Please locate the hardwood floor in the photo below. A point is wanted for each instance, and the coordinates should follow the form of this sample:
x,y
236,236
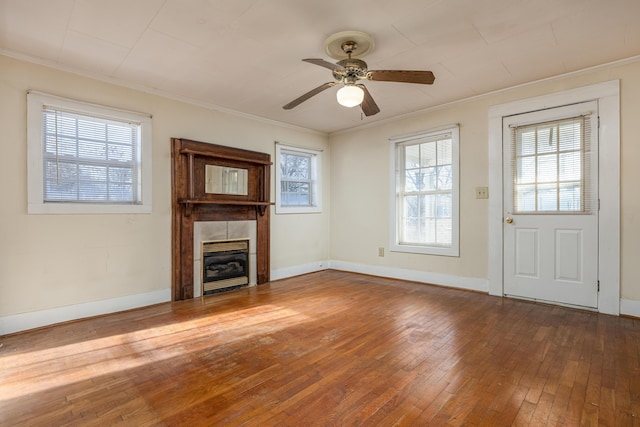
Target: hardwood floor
x,y
328,349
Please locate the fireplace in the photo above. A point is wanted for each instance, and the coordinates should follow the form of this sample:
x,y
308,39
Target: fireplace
x,y
225,265
198,198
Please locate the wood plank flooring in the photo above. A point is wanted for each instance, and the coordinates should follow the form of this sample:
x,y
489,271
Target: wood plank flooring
x,y
328,349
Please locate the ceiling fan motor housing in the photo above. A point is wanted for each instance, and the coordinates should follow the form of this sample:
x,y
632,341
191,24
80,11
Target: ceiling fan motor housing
x,y
354,69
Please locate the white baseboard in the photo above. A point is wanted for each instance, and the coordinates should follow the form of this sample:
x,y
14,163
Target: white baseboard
x,y
630,307
25,321
470,283
297,270
36,319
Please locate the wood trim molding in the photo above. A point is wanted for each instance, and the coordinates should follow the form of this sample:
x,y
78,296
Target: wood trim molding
x,y
190,203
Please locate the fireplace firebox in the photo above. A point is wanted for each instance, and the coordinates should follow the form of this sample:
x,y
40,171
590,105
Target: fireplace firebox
x,y
225,265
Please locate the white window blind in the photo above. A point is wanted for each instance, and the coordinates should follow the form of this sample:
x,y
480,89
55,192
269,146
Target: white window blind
x,y
551,167
89,158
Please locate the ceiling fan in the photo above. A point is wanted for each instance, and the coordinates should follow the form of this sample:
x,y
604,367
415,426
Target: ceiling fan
x,y
350,70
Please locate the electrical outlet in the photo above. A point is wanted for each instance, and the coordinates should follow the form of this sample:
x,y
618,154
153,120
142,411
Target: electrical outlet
x,y
482,192
380,251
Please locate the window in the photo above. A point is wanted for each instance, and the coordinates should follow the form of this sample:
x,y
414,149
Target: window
x,y
85,158
549,162
298,180
425,192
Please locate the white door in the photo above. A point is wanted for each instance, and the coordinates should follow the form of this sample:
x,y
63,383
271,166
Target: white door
x,y
551,205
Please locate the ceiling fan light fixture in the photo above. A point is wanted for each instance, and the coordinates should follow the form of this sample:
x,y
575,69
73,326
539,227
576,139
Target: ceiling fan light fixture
x,y
350,96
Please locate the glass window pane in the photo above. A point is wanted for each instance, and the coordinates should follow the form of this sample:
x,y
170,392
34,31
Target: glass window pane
x,y
570,166
526,172
526,144
121,134
428,154
430,179
411,207
295,167
444,231
120,175
92,190
120,192
430,206
120,153
525,200
547,197
295,193
65,126
411,230
65,147
60,181
548,168
445,177
570,197
414,180
92,173
444,204
412,156
445,154
430,230
91,130
571,135
547,139
92,150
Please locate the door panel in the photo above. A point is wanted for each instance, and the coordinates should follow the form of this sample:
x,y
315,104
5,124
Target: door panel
x,y
550,205
527,251
569,255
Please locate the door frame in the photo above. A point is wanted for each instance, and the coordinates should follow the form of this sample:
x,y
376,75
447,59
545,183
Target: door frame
x,y
608,96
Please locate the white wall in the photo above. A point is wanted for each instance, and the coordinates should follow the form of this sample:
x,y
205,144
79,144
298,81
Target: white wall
x,y
94,263
360,191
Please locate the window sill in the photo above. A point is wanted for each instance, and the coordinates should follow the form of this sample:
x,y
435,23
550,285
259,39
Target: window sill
x,y
72,208
425,250
280,210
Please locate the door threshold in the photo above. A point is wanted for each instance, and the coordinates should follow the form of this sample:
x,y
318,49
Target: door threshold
x,y
561,304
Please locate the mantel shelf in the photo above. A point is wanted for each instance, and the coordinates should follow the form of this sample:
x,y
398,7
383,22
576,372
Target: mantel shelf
x,y
261,207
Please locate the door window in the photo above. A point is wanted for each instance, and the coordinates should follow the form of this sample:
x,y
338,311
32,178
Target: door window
x,y
550,164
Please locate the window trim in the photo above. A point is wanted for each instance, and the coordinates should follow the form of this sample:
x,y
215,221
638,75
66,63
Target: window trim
x,y
316,187
35,185
394,244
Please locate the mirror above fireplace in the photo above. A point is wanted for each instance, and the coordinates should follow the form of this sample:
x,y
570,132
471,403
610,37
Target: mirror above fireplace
x,y
226,180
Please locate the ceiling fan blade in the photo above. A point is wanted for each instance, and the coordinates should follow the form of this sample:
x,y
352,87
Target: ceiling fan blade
x,y
308,95
325,64
369,106
422,77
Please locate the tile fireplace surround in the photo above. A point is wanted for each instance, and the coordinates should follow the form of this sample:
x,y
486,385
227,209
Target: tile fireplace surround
x,y
222,230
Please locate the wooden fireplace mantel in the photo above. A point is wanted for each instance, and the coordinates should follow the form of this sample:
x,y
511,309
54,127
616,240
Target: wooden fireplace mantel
x,y
190,203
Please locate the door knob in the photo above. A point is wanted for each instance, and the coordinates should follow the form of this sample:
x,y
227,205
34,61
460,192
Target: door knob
x,y
508,220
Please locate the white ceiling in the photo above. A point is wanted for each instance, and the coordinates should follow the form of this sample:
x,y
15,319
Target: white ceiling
x,y
245,55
